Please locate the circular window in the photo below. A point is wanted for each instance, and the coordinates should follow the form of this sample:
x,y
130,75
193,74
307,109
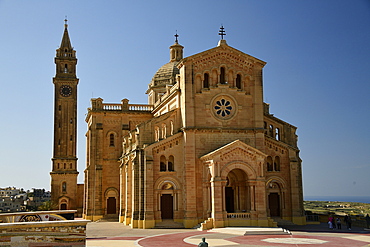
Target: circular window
x,y
223,107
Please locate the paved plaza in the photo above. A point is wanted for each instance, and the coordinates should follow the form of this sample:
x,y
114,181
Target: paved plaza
x,y
101,234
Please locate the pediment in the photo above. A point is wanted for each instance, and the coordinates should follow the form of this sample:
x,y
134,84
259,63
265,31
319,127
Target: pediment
x,y
222,54
234,150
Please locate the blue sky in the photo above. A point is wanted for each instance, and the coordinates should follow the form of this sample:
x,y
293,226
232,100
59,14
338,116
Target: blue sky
x,y
317,75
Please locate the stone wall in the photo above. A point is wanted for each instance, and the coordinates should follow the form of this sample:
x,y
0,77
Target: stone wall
x,y
44,233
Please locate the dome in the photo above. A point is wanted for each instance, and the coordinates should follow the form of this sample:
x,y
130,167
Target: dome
x,y
165,75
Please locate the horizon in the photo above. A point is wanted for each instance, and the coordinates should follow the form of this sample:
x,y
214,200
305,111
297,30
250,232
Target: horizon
x,y
316,76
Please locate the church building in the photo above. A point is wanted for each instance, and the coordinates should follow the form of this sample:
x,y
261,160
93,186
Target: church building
x,y
204,150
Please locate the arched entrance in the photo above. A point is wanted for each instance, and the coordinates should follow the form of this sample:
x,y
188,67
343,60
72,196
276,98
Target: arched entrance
x,y
236,192
275,198
63,204
111,200
167,201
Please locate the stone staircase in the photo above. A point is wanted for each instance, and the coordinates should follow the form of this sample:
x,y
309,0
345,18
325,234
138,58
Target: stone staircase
x,y
281,222
109,218
168,224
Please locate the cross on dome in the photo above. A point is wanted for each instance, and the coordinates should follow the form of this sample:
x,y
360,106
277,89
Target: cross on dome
x,y
176,36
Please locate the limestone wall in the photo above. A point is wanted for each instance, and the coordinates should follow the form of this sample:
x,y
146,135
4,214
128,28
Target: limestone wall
x,y
44,233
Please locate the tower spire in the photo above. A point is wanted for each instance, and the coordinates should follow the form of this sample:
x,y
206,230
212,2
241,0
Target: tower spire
x,y
176,50
66,42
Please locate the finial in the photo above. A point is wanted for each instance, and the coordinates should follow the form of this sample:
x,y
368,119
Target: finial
x,y
65,22
222,32
176,36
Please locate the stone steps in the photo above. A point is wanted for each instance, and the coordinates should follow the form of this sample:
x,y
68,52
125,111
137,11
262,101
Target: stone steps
x,y
168,224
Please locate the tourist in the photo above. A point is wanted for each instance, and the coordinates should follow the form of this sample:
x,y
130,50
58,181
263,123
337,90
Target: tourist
x,y
348,221
332,220
330,223
203,243
339,223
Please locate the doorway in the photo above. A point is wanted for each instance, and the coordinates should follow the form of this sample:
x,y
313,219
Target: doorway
x,y
111,205
274,204
229,196
167,206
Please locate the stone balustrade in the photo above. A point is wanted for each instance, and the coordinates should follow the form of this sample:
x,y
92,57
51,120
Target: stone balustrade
x,y
238,215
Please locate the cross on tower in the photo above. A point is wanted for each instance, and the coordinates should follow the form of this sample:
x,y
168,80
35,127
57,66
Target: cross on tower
x,y
176,36
222,32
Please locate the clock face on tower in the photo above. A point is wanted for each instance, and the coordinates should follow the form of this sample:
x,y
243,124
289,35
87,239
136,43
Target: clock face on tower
x,y
65,91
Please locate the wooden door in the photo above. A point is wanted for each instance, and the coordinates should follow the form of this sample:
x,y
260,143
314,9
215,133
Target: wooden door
x,y
274,204
111,205
167,206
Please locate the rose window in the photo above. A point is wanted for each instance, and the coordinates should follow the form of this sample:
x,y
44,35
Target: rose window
x,y
223,107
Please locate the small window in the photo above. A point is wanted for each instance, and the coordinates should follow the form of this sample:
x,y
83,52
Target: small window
x,y
64,187
271,130
65,68
277,134
111,140
222,76
238,82
270,167
163,165
206,81
171,166
277,163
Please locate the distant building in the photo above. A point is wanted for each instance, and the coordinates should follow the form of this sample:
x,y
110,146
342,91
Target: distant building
x,y
37,197
12,199
204,149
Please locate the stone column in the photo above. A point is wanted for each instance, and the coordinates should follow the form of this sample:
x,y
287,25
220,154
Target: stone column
x,y
218,204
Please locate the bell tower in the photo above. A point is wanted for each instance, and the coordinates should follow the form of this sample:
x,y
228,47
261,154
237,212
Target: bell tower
x,y
64,162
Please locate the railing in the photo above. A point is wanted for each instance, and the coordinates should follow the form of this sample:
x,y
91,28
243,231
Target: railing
x,y
135,107
112,107
312,218
238,215
140,107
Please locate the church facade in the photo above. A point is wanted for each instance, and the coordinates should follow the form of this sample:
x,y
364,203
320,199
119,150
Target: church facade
x,y
205,149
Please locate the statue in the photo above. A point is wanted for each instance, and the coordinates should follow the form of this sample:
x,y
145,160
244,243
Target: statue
x,y
203,243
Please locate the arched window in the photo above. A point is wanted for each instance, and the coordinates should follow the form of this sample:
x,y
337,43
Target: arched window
x,y
163,166
277,163
111,140
206,81
271,130
277,134
238,82
64,187
270,167
171,164
222,76
65,68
